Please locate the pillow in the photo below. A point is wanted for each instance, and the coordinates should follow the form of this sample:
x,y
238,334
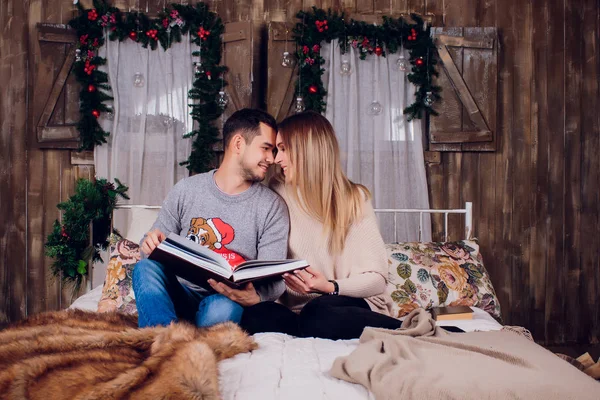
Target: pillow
x,y
431,274
117,293
141,220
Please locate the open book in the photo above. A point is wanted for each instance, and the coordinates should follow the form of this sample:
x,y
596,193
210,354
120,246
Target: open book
x,y
197,264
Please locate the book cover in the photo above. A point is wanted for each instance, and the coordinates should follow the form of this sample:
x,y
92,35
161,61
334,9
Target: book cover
x,y
197,264
450,313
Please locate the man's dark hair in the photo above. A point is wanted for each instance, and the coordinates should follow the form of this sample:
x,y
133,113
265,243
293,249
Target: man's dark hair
x,y
246,122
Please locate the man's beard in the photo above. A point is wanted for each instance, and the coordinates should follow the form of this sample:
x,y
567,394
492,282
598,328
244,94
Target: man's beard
x,y
249,175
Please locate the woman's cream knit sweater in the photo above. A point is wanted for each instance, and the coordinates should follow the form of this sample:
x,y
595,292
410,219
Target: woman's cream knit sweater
x,y
361,268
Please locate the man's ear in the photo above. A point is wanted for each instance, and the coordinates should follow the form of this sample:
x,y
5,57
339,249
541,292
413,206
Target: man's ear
x,y
237,144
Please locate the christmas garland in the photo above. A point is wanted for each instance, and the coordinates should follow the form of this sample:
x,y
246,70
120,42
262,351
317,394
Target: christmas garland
x,y
205,28
69,241
318,26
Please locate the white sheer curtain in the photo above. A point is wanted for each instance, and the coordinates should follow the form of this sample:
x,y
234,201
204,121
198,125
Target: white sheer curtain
x,y
146,141
151,115
384,152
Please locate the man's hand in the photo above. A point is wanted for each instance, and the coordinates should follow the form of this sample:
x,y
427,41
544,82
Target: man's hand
x,y
153,239
245,297
308,280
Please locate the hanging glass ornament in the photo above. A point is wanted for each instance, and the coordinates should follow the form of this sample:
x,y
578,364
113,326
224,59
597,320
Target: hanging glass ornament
x,y
401,63
138,80
78,55
345,68
429,99
375,108
198,68
222,100
286,60
299,107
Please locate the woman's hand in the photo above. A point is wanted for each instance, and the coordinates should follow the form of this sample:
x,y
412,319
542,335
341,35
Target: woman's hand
x,y
308,280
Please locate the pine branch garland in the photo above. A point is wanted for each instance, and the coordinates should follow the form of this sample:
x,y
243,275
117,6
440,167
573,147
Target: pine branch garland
x,y
69,243
318,26
94,26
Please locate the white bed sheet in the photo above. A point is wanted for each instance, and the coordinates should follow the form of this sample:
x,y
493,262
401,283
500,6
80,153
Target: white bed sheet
x,y
286,367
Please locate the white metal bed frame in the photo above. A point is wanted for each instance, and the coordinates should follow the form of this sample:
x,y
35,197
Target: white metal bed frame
x,y
467,211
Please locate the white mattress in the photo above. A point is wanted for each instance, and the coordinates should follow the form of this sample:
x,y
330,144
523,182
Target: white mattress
x,y
285,367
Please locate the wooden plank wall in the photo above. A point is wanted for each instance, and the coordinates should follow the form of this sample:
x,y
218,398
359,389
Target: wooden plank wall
x,y
536,199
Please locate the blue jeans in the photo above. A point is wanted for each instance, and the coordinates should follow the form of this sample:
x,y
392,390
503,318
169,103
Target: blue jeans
x,y
161,299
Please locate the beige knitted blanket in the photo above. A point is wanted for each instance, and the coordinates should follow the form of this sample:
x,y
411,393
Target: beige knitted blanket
x,y
421,361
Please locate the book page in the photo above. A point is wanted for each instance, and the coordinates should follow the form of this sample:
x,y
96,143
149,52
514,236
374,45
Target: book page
x,y
199,251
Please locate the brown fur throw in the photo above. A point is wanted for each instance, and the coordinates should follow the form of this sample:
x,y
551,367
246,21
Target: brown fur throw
x,y
75,355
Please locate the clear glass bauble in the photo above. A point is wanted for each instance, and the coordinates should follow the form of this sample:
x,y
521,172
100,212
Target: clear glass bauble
x,y
375,108
199,68
345,68
299,106
429,99
402,63
222,99
138,80
286,60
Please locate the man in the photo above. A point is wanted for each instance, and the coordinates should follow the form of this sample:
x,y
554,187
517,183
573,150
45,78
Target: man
x,y
228,211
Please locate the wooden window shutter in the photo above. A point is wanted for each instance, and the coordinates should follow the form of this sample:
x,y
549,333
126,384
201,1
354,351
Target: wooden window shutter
x,y
238,56
55,93
469,81
281,81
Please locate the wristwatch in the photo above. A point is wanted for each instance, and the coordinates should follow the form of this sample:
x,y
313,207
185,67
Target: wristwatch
x,y
336,289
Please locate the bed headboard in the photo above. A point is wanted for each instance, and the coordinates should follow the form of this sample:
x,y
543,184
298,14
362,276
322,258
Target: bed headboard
x,y
467,212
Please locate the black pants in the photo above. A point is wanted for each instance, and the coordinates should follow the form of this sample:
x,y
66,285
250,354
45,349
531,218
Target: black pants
x,y
328,317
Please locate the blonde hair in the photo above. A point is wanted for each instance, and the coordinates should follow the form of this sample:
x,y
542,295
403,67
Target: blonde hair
x,y
318,183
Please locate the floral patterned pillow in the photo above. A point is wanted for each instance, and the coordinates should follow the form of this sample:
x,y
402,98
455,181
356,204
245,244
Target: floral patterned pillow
x,y
117,293
439,274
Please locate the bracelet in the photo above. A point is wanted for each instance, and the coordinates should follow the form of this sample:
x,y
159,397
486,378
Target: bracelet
x,y
336,289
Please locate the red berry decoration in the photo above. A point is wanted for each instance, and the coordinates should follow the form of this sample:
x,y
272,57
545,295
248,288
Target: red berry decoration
x,y
96,113
133,35
91,88
93,15
313,89
378,50
203,33
419,62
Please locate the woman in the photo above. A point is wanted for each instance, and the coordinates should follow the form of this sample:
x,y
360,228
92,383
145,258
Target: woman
x,y
333,227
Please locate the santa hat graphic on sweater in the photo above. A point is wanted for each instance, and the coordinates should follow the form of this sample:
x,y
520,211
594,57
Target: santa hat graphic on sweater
x,y
223,231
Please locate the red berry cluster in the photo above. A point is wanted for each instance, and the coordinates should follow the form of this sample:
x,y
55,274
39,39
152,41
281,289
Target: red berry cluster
x,y
152,34
419,62
89,68
63,232
93,15
413,35
378,50
96,113
313,89
316,48
321,25
165,23
133,35
83,39
203,33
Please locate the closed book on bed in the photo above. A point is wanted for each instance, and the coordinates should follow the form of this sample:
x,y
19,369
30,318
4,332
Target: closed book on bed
x,y
450,313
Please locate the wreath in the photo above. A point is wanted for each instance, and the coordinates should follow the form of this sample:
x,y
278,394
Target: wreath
x,y
71,243
94,26
318,26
